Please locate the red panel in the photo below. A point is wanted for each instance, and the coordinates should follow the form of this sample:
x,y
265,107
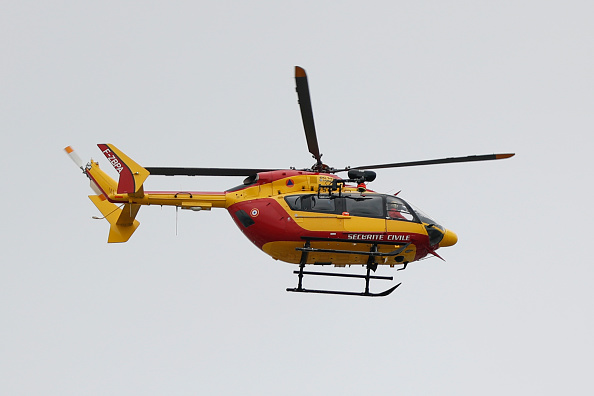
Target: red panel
x,y
126,184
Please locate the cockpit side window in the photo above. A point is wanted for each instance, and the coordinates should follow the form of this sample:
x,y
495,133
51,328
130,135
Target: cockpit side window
x,y
396,209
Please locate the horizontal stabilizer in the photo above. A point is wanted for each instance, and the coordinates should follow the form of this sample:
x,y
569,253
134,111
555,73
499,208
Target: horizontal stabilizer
x,y
122,220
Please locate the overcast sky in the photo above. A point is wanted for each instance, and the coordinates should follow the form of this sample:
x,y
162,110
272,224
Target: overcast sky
x,y
195,83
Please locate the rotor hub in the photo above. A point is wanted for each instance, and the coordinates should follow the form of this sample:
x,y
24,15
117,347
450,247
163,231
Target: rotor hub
x,y
321,168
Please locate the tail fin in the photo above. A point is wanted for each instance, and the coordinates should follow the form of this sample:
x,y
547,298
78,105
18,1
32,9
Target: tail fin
x,y
122,222
132,175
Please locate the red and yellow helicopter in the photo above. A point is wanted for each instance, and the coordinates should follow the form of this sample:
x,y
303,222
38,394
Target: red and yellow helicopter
x,y
300,216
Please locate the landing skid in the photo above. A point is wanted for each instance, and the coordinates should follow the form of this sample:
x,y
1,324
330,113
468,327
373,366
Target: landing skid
x,y
344,293
371,266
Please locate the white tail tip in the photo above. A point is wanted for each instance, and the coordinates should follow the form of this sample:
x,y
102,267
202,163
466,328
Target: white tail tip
x,y
70,151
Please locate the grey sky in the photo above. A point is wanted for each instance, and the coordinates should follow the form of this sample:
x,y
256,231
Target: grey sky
x,y
187,83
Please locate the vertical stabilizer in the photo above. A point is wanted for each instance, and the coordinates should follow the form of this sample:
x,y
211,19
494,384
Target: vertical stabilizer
x,y
122,220
131,174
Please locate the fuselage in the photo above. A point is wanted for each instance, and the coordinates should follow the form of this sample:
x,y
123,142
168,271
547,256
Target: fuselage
x,y
278,211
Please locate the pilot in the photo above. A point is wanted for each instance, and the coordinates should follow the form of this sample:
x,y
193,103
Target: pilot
x,y
394,209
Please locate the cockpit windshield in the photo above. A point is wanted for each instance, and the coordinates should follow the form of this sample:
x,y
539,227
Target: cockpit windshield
x,y
425,218
398,209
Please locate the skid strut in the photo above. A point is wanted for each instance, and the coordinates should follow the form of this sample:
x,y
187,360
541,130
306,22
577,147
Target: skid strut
x,y
371,266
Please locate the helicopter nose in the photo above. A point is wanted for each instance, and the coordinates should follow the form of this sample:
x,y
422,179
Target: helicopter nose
x,y
449,239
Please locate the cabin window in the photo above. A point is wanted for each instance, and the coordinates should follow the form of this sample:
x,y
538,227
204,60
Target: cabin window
x,y
324,205
312,203
355,205
364,205
294,201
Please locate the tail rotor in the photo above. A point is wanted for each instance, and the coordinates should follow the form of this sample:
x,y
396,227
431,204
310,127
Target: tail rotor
x,y
74,157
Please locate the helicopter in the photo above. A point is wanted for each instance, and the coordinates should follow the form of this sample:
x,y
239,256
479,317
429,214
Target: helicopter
x,y
308,216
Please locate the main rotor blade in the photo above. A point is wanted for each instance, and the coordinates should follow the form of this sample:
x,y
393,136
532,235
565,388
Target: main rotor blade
x,y
168,171
307,113
470,158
